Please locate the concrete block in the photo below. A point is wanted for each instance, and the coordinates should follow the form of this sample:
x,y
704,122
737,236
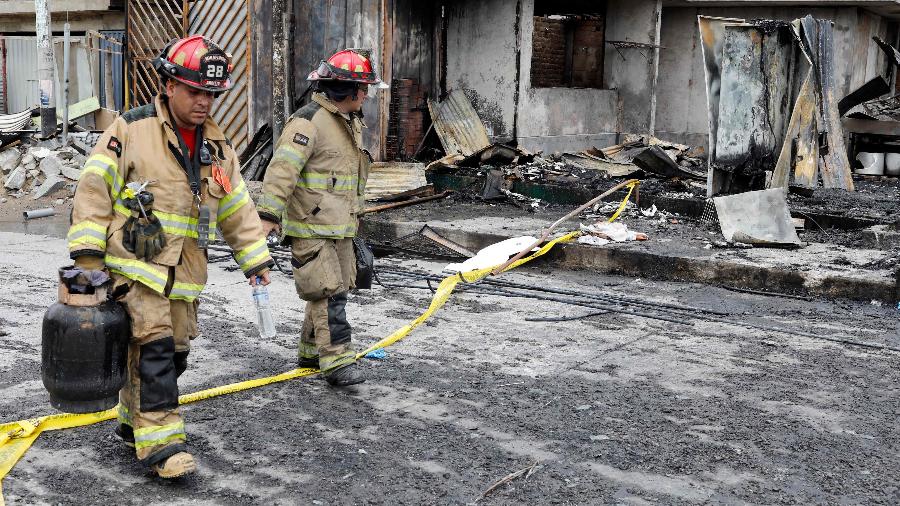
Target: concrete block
x,y
16,179
39,153
66,153
10,159
52,184
69,172
51,166
50,144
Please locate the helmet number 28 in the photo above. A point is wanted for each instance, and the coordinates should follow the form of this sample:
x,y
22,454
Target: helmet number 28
x,y
215,71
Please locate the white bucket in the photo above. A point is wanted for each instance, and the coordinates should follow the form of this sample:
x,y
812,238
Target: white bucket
x,y
873,163
892,164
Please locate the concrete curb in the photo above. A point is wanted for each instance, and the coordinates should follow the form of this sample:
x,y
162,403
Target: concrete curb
x,y
669,266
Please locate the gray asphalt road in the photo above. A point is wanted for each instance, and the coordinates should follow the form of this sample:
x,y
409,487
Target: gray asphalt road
x,y
612,408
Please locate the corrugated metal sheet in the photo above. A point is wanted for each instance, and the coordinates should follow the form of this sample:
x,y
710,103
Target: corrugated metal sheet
x,y
225,21
2,75
394,177
21,69
458,125
117,69
16,121
151,25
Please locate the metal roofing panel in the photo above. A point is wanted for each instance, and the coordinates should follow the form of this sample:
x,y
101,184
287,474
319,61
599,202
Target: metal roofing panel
x,y
458,125
12,122
21,73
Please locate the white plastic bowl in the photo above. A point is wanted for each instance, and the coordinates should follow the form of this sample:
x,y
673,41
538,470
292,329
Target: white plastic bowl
x,y
873,163
892,164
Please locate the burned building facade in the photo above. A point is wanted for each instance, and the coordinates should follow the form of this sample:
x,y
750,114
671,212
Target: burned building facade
x,y
552,76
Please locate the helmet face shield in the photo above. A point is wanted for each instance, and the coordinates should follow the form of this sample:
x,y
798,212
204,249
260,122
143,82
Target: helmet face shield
x,y
351,66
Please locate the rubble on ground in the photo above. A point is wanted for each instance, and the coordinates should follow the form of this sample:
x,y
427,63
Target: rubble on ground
x,y
40,170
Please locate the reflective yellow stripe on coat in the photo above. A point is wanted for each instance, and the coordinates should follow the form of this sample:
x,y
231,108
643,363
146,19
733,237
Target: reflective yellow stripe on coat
x,y
185,291
290,155
231,203
252,255
306,230
106,168
271,204
326,182
139,271
185,226
87,233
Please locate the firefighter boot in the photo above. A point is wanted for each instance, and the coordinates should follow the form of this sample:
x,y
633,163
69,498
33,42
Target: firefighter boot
x,y
177,465
345,375
308,362
126,434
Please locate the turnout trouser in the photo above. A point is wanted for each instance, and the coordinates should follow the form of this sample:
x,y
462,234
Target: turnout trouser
x,y
324,271
157,355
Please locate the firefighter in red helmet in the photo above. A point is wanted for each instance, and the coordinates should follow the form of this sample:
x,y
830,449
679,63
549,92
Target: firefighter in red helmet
x,y
159,184
314,191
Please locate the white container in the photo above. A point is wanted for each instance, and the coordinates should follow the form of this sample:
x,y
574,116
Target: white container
x,y
873,163
892,164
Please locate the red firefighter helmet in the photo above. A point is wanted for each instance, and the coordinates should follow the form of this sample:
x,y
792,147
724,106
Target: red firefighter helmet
x,y
197,62
349,65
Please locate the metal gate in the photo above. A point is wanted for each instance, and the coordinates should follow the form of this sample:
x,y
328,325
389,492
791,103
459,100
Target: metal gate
x,y
153,23
227,22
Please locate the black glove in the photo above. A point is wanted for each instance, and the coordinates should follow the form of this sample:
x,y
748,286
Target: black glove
x,y
128,240
149,238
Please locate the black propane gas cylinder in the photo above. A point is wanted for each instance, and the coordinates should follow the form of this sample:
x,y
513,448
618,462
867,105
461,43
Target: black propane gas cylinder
x,y
84,351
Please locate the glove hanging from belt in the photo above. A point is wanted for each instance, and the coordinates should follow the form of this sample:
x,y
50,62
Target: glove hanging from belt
x,y
142,234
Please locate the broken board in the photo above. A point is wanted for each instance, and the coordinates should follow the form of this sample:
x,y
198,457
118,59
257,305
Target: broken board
x,y
389,178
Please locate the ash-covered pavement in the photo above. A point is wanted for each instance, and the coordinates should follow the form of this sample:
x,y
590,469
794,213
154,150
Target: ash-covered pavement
x,y
612,408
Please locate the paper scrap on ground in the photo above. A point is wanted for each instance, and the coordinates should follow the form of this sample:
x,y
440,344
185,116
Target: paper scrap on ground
x,y
493,255
601,233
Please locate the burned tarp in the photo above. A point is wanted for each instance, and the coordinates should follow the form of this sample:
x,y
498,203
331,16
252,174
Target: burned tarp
x,y
655,156
751,71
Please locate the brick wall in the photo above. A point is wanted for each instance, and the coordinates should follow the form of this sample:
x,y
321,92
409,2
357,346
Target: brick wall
x,y
587,53
548,57
406,120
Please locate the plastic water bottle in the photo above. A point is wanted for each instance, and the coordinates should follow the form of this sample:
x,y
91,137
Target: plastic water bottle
x,y
263,310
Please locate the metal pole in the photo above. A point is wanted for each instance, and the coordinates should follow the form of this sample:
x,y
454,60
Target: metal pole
x,y
45,68
65,125
278,66
288,57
